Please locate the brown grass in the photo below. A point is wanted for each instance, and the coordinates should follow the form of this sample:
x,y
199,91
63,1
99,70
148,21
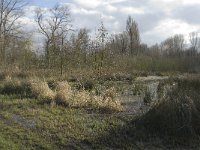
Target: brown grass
x,y
81,99
63,94
107,102
41,90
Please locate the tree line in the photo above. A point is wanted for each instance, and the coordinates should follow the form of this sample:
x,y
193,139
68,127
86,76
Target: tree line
x,y
65,48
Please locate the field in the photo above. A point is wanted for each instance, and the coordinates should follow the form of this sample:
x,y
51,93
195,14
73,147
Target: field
x,y
154,112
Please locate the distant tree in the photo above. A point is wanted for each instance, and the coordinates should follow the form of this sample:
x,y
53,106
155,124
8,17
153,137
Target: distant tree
x,y
173,46
194,43
179,44
155,50
19,51
102,37
53,24
121,42
82,43
10,12
134,36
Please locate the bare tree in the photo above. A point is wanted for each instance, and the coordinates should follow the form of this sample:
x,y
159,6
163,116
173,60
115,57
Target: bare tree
x,y
101,40
10,12
155,50
82,43
179,44
194,41
173,46
20,52
121,42
53,24
134,36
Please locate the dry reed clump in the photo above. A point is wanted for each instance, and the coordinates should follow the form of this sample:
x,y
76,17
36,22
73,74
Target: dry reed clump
x,y
40,89
177,115
63,94
81,99
107,102
110,101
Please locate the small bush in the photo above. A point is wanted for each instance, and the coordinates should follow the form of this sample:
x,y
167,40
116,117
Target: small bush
x,y
63,86
61,99
64,94
41,90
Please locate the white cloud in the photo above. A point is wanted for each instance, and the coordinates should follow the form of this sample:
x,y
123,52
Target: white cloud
x,y
167,28
132,10
115,1
88,3
111,8
83,11
191,2
157,19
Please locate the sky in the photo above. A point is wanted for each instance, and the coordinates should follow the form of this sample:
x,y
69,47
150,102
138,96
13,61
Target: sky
x,y
157,19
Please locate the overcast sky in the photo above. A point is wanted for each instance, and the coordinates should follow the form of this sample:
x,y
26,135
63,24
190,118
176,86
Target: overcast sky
x,y
157,19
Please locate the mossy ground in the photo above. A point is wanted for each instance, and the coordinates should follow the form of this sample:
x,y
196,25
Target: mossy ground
x,y
26,124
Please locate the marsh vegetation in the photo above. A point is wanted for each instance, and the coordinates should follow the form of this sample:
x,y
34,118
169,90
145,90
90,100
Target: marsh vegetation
x,y
95,92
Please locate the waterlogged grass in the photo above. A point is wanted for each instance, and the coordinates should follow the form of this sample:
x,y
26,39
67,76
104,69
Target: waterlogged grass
x,y
26,124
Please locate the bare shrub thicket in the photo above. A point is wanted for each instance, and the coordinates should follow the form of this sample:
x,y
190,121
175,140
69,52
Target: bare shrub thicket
x,y
177,114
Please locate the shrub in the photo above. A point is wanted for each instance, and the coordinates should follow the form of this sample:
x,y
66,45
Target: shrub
x,y
177,115
41,90
61,99
63,86
64,94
